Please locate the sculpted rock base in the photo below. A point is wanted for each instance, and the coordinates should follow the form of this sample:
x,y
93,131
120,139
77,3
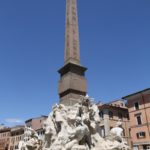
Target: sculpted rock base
x,y
75,128
79,147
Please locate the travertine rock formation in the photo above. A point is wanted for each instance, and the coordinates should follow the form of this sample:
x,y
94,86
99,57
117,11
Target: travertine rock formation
x,y
75,128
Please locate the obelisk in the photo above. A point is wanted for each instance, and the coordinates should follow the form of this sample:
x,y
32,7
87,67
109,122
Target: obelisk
x,y
72,84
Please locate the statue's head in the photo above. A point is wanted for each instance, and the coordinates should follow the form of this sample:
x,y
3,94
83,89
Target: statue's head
x,y
60,113
78,120
48,126
28,132
119,123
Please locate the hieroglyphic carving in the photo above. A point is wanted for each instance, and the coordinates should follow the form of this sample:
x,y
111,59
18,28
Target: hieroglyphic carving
x,y
72,34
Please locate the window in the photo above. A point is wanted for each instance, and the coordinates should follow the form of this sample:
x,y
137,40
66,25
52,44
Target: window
x,y
101,114
140,134
120,115
128,117
110,114
146,147
16,147
103,131
136,106
123,133
130,132
139,121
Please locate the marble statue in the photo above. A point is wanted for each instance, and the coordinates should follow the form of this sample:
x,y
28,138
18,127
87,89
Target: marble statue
x,y
31,140
74,128
116,134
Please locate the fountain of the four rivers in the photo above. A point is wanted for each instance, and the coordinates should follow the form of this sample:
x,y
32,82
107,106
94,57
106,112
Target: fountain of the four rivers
x,y
74,123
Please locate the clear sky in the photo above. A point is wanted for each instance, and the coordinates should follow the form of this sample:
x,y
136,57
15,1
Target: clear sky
x,y
114,44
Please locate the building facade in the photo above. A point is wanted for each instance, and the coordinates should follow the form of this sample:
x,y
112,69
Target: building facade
x,y
37,125
110,114
10,137
139,113
17,134
4,138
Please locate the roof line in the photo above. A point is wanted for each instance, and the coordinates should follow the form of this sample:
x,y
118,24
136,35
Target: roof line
x,y
136,93
115,101
44,116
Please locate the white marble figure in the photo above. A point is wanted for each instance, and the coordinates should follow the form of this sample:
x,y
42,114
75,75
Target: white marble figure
x,y
117,131
75,128
31,140
116,134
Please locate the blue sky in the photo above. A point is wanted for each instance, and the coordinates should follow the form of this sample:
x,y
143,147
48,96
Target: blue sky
x,y
114,44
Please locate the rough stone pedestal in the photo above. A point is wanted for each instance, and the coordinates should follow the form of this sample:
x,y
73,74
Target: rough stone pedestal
x,y
79,147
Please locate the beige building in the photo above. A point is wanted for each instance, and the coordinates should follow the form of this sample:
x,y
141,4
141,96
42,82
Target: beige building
x,y
139,112
17,134
110,114
37,125
4,138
